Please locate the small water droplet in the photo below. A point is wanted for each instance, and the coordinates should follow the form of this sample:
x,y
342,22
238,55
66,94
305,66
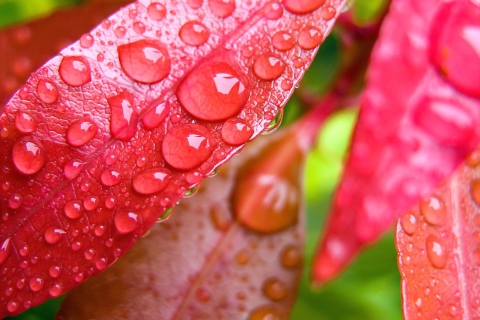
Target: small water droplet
x,y
23,251
106,24
187,146
73,168
138,27
236,131
215,90
21,284
120,32
409,223
156,11
268,66
275,289
75,71
166,215
328,13
242,257
53,235
24,122
266,312
275,124
145,61
151,181
222,8
436,252
89,254
194,33
12,306
55,290
283,41
195,4
156,114
54,271
99,231
86,41
126,221
91,203
191,192
110,177
5,250
433,210
36,284
81,132
287,84
291,257
101,264
273,10
110,203
28,156
79,277
310,38
123,118
302,6
47,91
15,201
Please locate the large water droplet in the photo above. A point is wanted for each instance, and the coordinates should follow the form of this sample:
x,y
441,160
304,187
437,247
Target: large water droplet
x,y
268,66
75,71
215,90
151,181
275,289
283,41
309,38
73,209
28,156
436,252
156,11
110,178
433,210
47,91
24,122
145,61
194,33
291,257
156,114
126,221
124,118
73,168
409,223
36,284
302,6
81,132
236,131
267,312
187,146
53,235
222,8
5,250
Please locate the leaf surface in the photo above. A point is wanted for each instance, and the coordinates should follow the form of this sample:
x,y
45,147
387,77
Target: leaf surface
x,y
439,252
419,120
109,134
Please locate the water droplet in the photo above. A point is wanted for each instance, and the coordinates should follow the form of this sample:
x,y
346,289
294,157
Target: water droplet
x,y
55,290
81,132
165,215
156,114
475,193
151,181
194,33
287,84
454,40
275,289
79,277
156,11
89,254
36,284
124,118
242,257
106,24
126,221
215,90
268,66
47,91
5,250
86,41
266,312
291,257
15,201
138,27
73,168
273,10
145,61
187,146
23,251
283,41
302,6
21,284
99,231
328,13
24,122
192,191
222,8
12,306
53,235
120,32
75,71
275,124
110,178
436,252
433,210
195,4
409,223
236,131
101,264
54,271
91,203
28,156
310,38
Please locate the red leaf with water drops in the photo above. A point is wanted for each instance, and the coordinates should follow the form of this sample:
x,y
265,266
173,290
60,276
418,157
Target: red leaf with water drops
x,y
110,136
438,243
419,121
234,251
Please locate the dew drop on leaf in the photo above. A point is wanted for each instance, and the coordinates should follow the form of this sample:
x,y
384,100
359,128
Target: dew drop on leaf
x,y
53,235
194,33
12,306
54,271
242,257
187,146
126,221
86,41
273,10
222,8
283,41
191,192
5,250
123,121
120,32
47,91
156,11
151,181
15,201
275,124
24,122
409,223
73,209
433,210
91,203
110,177
195,4
309,38
302,6
28,156
436,252
145,61
275,289
36,284
268,66
215,90
55,290
328,13
81,132
291,257
266,312
156,114
75,71
236,131
139,27
72,169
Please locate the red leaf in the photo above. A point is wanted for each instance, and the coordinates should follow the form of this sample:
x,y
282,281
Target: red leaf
x,y
420,119
439,255
231,252
86,194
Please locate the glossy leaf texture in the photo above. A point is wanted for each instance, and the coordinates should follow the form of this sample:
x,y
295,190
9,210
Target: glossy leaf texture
x,y
26,47
113,131
419,121
438,243
233,251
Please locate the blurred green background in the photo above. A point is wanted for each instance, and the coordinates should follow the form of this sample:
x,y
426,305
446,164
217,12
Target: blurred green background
x,y
370,288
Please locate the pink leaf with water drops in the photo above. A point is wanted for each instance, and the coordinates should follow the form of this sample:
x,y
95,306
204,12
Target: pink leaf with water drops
x,y
419,121
439,250
110,133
